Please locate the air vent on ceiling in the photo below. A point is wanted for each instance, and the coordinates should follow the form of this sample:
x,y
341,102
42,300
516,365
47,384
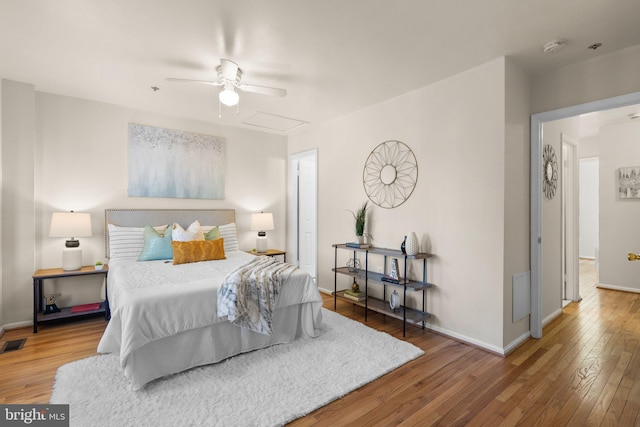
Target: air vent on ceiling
x,y
273,122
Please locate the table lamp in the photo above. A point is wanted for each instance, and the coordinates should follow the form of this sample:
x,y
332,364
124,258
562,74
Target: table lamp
x,y
262,222
71,225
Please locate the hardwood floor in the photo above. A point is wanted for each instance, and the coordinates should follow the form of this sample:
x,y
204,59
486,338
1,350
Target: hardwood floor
x,y
584,371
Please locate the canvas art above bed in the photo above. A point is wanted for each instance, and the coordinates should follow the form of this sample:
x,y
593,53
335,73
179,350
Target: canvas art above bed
x,y
172,163
211,298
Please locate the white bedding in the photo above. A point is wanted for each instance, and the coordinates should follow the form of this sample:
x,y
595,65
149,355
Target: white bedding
x,y
153,301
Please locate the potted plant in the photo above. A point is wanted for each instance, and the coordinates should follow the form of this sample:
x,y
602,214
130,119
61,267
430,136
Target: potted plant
x,y
360,217
99,265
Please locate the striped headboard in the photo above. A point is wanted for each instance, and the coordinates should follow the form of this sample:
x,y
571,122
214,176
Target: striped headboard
x,y
184,217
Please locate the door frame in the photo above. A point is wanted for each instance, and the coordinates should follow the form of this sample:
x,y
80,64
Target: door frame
x,y
570,219
537,121
294,160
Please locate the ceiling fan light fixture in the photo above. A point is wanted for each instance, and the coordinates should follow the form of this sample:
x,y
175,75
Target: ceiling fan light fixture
x,y
229,97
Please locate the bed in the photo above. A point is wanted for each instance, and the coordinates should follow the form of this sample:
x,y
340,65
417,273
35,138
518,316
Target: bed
x,y
164,317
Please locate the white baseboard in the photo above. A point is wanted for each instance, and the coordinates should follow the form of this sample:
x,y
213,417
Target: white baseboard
x,y
618,288
453,335
17,325
515,343
551,317
465,339
1,331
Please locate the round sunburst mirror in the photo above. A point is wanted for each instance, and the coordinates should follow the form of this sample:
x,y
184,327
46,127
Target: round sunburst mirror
x,y
549,172
390,174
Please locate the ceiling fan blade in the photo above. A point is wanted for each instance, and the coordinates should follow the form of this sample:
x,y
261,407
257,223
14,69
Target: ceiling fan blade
x,y
229,69
264,90
207,82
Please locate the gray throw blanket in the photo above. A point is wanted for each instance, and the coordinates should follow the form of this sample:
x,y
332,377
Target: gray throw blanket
x,y
248,295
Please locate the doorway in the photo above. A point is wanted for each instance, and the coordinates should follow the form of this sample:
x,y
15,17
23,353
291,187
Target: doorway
x,y
303,201
537,121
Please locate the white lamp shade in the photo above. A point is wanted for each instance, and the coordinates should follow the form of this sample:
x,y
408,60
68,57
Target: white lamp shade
x,y
70,224
262,222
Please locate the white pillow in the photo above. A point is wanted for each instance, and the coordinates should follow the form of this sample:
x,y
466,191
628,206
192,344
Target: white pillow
x,y
193,232
228,233
127,242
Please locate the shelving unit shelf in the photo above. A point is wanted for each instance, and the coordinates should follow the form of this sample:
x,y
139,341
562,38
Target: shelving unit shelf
x,y
404,313
65,313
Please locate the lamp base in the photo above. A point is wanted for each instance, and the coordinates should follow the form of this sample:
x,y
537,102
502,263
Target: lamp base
x,y
261,244
71,259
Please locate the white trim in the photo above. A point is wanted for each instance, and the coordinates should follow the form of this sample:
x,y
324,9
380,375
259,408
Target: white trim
x,y
617,288
550,318
465,339
325,291
572,270
516,343
17,325
536,190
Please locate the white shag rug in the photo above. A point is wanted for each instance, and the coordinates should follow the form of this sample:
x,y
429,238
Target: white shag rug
x,y
263,388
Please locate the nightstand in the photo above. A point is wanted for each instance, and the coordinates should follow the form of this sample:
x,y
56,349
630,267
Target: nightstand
x,y
271,252
56,273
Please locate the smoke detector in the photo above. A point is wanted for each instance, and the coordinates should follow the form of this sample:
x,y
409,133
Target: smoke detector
x,y
634,116
553,46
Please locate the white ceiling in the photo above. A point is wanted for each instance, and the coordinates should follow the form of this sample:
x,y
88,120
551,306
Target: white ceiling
x,y
332,56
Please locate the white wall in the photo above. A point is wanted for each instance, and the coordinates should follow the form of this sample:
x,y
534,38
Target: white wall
x,y
18,217
80,163
456,128
1,239
619,230
589,206
602,77
516,183
589,147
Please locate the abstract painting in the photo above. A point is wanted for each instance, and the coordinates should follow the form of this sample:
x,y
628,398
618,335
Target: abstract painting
x,y
172,163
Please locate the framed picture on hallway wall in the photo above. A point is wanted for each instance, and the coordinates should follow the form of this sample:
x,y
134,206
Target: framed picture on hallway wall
x,y
173,163
629,182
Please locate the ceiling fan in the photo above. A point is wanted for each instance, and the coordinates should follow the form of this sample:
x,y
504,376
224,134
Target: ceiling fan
x,y
229,76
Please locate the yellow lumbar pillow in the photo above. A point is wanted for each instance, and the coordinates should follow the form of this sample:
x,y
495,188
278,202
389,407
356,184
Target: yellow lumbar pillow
x,y
197,250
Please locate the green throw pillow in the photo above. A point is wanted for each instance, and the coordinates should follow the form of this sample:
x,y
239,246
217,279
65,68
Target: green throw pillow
x,y
213,234
156,245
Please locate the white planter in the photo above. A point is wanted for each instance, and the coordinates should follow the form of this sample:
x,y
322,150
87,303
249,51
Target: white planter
x,y
99,267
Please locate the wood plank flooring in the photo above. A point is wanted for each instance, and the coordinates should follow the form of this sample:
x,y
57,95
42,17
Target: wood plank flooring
x,y
584,371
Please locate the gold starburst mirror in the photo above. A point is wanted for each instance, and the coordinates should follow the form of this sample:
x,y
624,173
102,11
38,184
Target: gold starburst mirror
x,y
549,172
390,174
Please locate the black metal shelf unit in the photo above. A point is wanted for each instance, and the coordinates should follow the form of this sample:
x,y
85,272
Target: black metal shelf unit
x,y
406,314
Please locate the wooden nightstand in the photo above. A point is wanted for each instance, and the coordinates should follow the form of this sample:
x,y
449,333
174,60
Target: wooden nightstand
x,y
56,273
271,252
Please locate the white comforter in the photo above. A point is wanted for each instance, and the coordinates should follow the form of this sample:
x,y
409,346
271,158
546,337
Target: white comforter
x,y
156,299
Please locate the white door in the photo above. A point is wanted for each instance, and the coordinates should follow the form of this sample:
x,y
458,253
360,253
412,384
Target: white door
x,y
303,214
570,221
